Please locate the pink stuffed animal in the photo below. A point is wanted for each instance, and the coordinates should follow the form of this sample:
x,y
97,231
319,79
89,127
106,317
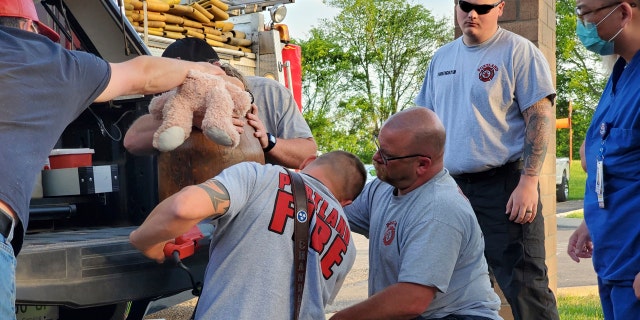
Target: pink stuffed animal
x,y
208,96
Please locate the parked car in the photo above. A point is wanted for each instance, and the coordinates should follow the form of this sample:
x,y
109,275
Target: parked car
x,y
562,179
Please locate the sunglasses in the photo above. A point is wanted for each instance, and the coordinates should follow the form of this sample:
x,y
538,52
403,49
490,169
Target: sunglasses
x,y
478,8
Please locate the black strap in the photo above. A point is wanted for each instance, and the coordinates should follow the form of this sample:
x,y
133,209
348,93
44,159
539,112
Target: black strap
x,y
301,236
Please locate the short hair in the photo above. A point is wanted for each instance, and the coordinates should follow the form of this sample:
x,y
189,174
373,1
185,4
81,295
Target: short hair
x,y
346,170
13,22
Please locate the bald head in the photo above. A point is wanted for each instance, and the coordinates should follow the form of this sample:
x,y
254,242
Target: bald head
x,y
342,172
423,130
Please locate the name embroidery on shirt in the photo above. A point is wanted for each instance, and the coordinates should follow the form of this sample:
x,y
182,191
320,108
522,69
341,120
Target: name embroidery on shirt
x,y
328,221
446,73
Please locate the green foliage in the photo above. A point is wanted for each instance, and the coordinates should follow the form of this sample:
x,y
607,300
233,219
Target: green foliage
x,y
581,77
577,178
365,65
580,307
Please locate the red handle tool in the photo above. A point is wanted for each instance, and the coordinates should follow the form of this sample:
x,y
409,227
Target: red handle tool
x,y
185,244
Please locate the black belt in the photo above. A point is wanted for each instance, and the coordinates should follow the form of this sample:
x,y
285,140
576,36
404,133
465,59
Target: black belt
x,y
6,223
498,171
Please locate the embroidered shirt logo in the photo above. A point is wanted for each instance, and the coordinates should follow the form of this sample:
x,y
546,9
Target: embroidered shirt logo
x,y
487,72
390,233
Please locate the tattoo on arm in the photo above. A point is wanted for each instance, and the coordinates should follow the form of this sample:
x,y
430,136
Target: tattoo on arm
x,y
218,194
537,133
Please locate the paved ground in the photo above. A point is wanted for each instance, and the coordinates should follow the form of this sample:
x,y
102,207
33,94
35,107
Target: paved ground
x,y
577,278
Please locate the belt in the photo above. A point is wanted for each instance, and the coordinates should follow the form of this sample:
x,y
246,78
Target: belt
x,y
497,171
6,224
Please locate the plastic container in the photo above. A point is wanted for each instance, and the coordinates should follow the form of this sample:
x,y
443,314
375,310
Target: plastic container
x,y
70,158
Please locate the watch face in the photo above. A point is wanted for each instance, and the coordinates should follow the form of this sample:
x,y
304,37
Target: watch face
x,y
272,138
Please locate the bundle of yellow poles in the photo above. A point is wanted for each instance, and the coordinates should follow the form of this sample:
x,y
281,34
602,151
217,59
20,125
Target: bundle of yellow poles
x,y
205,19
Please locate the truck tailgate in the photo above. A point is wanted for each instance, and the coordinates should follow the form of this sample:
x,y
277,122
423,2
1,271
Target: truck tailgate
x,y
94,267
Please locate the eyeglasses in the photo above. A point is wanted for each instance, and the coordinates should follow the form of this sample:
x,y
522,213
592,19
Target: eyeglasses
x,y
386,159
478,8
581,14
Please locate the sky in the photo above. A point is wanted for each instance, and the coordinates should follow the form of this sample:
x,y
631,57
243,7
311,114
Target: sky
x,y
305,14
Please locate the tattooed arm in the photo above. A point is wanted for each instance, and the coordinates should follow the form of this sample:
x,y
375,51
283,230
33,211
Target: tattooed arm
x,y
177,214
523,203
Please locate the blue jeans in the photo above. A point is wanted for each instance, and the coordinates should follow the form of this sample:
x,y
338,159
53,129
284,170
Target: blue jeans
x,y
7,280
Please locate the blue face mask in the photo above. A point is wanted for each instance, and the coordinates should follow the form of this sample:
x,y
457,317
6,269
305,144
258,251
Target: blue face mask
x,y
588,34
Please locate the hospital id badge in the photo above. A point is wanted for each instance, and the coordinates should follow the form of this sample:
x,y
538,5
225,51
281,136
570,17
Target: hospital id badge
x,y
600,183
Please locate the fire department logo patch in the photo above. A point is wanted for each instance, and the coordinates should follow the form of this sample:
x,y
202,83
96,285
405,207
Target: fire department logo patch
x,y
487,72
390,233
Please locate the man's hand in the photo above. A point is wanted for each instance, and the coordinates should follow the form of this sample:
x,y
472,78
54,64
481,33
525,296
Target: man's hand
x,y
522,206
258,126
155,252
580,245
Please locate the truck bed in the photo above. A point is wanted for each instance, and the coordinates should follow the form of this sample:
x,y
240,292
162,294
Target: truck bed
x,y
92,267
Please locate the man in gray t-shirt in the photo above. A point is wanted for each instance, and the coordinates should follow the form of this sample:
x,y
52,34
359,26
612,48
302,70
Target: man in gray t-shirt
x,y
494,93
425,245
250,274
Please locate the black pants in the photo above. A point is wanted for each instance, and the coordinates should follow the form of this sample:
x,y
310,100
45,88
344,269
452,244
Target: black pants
x,y
515,252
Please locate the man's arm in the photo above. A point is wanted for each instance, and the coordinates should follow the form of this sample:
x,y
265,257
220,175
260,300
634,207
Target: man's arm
x,y
523,203
147,75
177,214
402,300
138,139
287,152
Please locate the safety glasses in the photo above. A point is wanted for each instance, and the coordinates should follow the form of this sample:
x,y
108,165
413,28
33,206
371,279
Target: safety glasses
x,y
478,8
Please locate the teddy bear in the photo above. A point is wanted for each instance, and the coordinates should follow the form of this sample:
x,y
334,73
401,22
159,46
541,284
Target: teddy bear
x,y
209,97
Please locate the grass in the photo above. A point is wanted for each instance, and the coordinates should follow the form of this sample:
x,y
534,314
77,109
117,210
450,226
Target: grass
x,y
572,307
578,214
577,177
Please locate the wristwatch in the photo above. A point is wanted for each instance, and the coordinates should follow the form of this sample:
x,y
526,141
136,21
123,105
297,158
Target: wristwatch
x,y
272,142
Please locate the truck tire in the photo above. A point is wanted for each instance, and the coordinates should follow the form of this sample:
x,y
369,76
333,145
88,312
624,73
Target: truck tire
x,y
562,189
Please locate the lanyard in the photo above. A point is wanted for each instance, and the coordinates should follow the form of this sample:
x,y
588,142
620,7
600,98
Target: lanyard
x,y
605,128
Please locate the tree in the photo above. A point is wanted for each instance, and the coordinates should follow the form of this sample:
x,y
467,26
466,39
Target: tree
x,y
365,65
581,77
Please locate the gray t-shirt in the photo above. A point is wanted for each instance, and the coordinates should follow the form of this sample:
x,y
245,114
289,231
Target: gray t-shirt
x,y
277,109
250,272
44,88
479,92
431,237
